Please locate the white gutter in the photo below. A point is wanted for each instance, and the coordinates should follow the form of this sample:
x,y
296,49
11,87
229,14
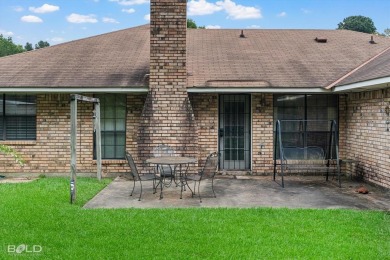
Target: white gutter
x,y
364,85
73,90
258,90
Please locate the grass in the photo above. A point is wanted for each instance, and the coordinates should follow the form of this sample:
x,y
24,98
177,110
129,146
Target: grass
x,y
39,213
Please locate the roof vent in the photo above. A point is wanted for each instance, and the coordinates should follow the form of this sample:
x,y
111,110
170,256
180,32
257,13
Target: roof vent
x,y
321,40
242,35
372,40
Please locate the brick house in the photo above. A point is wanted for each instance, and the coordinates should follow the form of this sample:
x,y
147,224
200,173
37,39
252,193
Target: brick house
x,y
198,91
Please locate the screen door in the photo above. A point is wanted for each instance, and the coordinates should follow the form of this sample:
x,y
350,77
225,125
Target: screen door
x,y
234,132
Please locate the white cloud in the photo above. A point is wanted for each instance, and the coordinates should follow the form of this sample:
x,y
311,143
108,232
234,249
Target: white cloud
x,y
131,2
213,27
234,11
305,11
31,19
202,7
147,17
79,18
129,11
254,26
6,33
57,39
46,8
237,12
18,9
282,14
109,20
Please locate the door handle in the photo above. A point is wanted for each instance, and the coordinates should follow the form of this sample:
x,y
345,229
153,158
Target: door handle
x,y
221,132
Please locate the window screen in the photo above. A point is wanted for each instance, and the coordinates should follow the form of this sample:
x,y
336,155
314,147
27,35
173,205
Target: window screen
x,y
113,125
18,117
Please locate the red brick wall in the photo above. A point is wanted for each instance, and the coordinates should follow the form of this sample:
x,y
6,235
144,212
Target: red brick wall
x,y
50,152
367,138
262,134
206,116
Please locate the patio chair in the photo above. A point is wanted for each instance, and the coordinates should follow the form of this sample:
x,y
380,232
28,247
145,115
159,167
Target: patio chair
x,y
208,172
140,177
165,171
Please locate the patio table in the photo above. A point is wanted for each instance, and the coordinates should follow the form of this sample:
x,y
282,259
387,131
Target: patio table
x,y
180,167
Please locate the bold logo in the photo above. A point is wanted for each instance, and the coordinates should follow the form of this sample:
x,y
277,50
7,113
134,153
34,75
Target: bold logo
x,y
24,248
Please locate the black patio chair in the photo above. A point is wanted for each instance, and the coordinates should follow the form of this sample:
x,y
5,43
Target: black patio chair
x,y
140,177
208,172
165,171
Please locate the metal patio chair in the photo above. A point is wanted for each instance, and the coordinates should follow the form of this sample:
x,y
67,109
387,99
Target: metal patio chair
x,y
140,177
165,171
208,172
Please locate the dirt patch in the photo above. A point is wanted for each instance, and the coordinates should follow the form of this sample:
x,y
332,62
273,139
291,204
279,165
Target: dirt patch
x,y
16,180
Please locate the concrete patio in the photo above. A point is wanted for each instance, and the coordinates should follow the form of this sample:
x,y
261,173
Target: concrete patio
x,y
248,191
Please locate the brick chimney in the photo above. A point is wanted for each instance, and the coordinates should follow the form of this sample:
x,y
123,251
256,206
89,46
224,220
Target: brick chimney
x,y
167,116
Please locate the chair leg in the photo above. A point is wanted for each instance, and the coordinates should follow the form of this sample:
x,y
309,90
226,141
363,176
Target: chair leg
x,y
154,186
212,187
194,189
131,194
192,193
200,199
140,194
161,188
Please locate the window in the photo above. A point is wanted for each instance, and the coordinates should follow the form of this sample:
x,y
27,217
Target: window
x,y
318,109
17,117
113,125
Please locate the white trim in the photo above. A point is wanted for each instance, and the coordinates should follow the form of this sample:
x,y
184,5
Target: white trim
x,y
258,90
74,90
364,85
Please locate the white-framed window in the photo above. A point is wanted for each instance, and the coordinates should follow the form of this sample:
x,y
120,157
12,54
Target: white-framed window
x,y
113,125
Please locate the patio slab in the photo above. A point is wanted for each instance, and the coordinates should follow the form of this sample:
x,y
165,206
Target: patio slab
x,y
248,191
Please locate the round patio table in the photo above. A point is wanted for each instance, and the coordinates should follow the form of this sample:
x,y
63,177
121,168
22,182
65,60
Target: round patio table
x,y
180,167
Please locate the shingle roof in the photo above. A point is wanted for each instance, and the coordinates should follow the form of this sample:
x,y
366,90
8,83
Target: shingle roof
x,y
378,68
283,58
215,58
114,59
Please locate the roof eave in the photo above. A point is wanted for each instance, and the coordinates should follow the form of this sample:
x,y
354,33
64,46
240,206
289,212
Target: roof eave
x,y
367,85
66,90
222,90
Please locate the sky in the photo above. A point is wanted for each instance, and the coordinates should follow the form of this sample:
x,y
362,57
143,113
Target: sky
x,y
58,21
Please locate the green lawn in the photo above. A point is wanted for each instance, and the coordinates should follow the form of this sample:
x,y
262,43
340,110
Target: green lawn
x,y
39,213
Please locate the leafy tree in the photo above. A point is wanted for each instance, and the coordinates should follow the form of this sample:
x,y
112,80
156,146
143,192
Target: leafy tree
x,y
191,24
28,46
7,47
41,44
358,23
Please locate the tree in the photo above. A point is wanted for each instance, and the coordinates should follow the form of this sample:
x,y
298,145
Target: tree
x,y
28,46
7,47
41,44
191,24
357,23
